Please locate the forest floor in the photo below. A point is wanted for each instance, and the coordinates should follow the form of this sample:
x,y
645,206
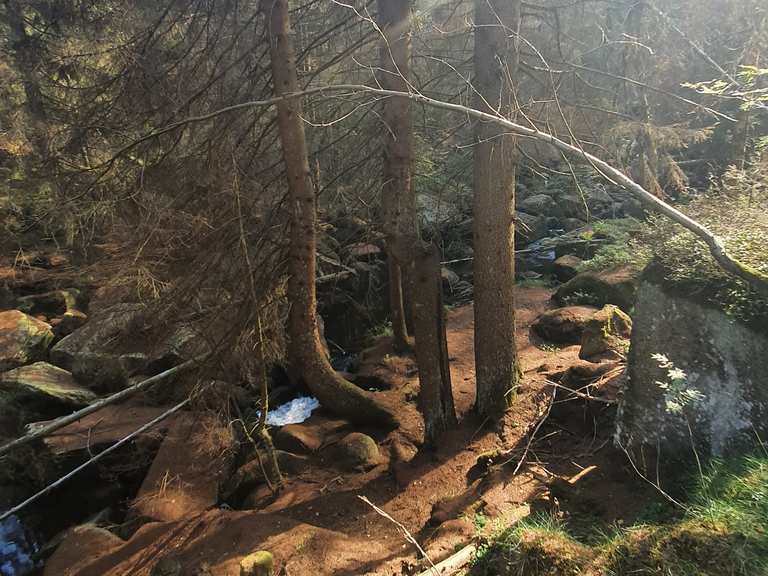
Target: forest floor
x,y
318,524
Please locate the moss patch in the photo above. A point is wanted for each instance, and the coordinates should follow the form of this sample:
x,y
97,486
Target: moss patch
x,y
723,532
738,213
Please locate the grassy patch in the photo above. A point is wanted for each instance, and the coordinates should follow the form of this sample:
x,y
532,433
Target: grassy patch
x,y
626,247
724,532
738,213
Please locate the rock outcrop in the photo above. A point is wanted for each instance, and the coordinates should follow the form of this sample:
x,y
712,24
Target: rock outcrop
x,y
720,362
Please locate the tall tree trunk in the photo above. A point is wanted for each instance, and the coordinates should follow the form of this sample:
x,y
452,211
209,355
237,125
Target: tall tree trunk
x,y
397,200
497,23
305,350
26,53
435,393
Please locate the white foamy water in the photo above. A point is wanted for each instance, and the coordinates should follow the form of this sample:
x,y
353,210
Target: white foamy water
x,y
293,412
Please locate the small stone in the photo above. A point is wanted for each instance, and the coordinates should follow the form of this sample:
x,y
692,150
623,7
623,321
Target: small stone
x,y
257,564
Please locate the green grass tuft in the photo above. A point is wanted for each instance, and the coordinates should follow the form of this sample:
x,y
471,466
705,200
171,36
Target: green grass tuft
x,y
723,533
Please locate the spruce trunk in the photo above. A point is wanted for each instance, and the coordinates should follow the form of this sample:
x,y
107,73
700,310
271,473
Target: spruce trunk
x,y
497,24
397,201
305,350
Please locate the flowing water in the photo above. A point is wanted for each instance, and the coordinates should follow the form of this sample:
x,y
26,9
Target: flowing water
x,y
17,548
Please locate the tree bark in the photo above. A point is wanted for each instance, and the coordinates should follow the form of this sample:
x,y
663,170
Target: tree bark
x,y
397,200
435,392
496,56
305,350
26,53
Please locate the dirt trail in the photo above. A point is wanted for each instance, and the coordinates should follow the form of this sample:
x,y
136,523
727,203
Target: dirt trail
x,y
318,525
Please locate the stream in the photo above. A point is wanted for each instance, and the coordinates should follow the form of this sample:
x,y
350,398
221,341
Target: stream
x,y
17,548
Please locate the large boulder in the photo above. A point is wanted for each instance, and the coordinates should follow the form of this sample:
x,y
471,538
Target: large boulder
x,y
23,339
606,335
598,288
538,204
692,364
41,391
109,348
564,325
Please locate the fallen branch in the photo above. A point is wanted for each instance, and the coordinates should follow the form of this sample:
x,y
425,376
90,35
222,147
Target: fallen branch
x,y
93,460
95,407
754,277
532,437
452,564
405,532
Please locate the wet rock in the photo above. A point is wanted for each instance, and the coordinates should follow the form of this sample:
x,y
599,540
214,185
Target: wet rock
x,y
538,204
257,564
614,286
564,325
606,334
23,339
566,267
357,451
41,391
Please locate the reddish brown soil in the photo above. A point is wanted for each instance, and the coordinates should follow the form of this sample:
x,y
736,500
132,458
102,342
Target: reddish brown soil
x,y
318,525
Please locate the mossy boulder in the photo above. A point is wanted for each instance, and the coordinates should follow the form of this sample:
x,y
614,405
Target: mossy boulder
x,y
616,286
724,360
260,563
357,451
564,325
41,391
23,339
606,334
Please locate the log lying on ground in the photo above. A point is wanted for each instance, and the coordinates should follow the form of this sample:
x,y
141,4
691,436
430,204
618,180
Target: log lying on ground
x,y
452,564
